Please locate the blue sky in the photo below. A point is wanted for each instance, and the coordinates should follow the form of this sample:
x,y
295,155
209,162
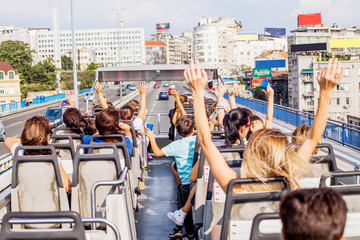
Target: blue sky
x,y
183,15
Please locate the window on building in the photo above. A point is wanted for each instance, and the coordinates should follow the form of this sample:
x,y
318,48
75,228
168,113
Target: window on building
x,y
2,91
347,101
2,77
11,75
347,72
338,101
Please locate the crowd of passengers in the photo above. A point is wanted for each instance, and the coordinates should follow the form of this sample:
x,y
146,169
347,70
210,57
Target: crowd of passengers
x,y
305,213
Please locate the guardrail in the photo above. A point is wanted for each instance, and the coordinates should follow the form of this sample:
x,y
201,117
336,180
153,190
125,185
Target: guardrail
x,y
341,132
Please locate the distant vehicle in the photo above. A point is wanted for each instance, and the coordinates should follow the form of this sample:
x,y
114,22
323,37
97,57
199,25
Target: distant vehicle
x,y
2,132
163,96
132,87
169,91
89,96
128,86
166,84
172,86
189,95
156,86
55,116
123,92
65,104
104,97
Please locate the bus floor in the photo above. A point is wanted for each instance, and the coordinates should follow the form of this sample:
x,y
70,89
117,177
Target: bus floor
x,y
156,200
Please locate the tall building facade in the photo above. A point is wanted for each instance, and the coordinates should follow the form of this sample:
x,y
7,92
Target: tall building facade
x,y
186,40
9,84
215,43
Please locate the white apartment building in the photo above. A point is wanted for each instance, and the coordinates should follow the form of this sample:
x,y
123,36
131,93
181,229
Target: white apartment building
x,y
248,47
215,43
186,47
304,66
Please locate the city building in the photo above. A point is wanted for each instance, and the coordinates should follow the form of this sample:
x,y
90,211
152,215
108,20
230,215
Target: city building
x,y
173,46
309,49
155,52
186,40
215,43
274,59
9,84
251,45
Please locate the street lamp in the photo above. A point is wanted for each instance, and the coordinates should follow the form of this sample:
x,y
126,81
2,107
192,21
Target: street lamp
x,y
73,42
119,41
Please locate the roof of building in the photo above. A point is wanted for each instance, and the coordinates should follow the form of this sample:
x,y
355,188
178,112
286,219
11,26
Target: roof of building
x,y
5,66
154,43
269,52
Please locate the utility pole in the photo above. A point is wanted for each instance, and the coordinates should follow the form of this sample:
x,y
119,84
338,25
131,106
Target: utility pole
x,y
74,55
119,42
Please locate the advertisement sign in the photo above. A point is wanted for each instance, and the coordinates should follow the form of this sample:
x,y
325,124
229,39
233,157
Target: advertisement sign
x,y
161,27
261,77
248,74
308,47
275,32
279,63
309,19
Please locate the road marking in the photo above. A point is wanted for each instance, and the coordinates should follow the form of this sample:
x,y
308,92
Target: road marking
x,y
14,123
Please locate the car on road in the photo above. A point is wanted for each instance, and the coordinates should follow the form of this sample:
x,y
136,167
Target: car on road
x,y
104,97
123,92
55,116
169,91
128,86
2,132
132,87
156,86
65,104
89,96
163,96
189,95
166,84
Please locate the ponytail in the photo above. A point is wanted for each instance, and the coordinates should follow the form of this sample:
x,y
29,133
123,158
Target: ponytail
x,y
232,122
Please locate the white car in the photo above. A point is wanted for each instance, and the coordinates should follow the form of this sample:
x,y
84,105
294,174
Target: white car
x,y
89,96
132,87
166,84
172,86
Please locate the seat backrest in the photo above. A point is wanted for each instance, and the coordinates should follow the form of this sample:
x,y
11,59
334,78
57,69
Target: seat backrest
x,y
90,168
121,146
244,206
59,133
95,111
65,146
37,184
77,232
270,229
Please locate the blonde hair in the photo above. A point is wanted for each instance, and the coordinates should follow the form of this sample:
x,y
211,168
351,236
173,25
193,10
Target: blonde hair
x,y
268,154
300,134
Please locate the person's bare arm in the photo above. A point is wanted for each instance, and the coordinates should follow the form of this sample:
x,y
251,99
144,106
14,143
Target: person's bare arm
x,y
328,78
102,100
222,103
157,151
10,141
197,80
65,178
234,91
194,172
127,132
175,117
142,110
178,102
270,107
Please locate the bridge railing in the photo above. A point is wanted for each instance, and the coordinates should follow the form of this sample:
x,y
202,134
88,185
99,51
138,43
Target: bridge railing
x,y
341,132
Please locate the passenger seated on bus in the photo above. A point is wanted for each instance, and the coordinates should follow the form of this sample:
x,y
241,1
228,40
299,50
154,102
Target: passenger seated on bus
x,y
80,124
107,122
36,133
268,152
171,114
236,125
183,151
134,104
300,134
313,214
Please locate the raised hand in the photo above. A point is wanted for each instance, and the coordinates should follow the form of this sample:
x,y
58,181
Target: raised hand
x,y
269,91
71,98
149,133
175,93
98,87
196,78
142,88
328,78
222,89
235,89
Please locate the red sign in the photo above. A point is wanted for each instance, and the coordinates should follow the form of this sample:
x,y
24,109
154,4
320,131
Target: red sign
x,y
309,19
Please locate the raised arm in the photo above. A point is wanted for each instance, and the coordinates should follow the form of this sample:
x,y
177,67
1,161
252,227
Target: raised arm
x,y
234,90
157,151
178,102
327,78
102,100
142,110
197,80
270,107
71,98
222,106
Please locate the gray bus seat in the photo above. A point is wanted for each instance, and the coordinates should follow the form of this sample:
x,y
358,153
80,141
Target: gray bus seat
x,y
59,132
270,228
233,152
65,148
36,183
76,232
95,111
242,207
131,184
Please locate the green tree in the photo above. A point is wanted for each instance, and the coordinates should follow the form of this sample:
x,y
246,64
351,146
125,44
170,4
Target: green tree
x,y
92,67
85,78
66,63
17,53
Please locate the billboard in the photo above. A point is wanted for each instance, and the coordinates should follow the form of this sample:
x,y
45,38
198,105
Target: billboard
x,y
345,43
248,74
309,19
308,47
162,27
275,32
261,77
280,63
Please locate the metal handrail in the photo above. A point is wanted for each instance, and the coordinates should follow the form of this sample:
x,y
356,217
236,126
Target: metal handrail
x,y
66,220
118,182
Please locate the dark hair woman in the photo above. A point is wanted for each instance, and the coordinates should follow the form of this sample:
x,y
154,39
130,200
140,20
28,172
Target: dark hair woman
x,y
236,125
79,123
